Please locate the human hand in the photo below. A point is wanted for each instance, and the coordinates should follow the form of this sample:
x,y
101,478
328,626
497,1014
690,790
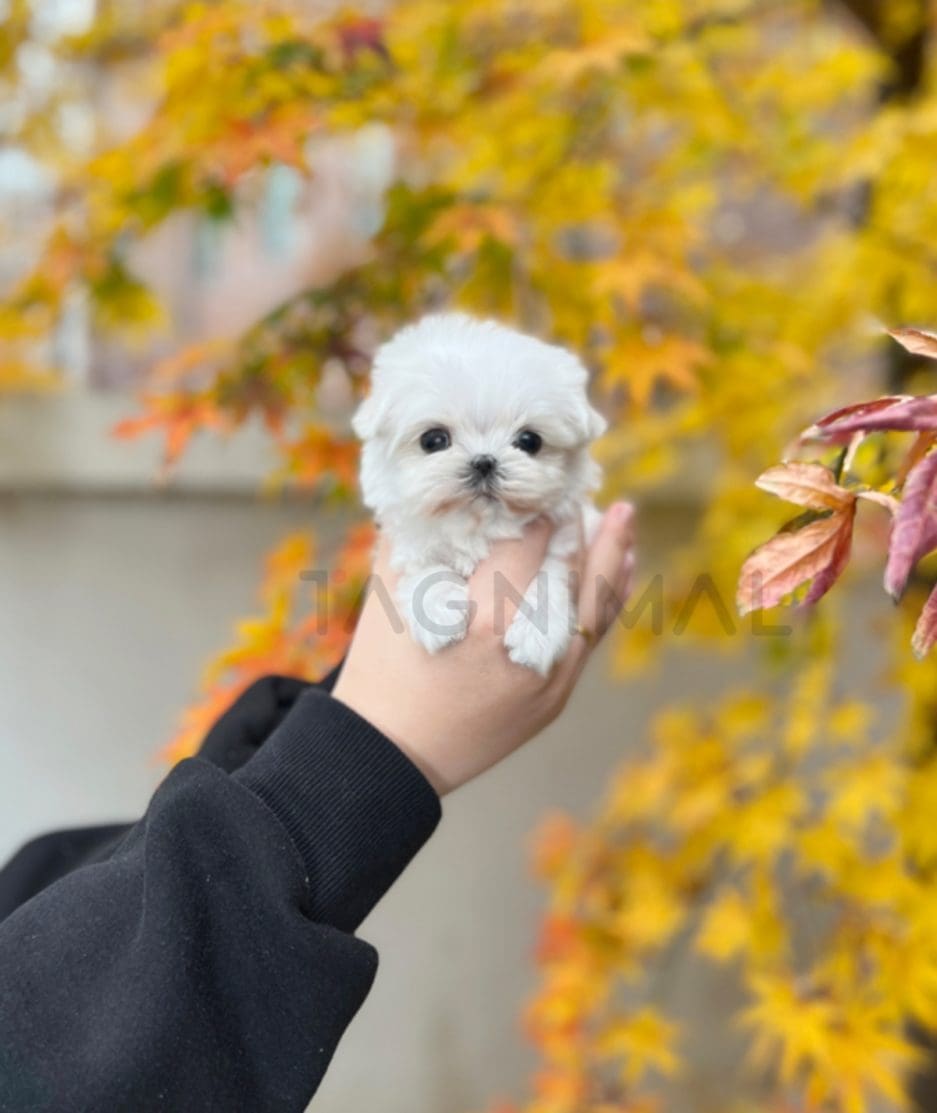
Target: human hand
x,y
462,710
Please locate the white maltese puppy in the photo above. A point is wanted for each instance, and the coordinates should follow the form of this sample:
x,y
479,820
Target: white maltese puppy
x,y
472,430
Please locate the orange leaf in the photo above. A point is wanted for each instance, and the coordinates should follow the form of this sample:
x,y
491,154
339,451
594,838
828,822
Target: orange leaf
x,y
188,359
916,340
810,485
788,560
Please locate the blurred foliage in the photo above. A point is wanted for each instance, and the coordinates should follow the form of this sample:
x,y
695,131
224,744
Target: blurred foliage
x,y
714,202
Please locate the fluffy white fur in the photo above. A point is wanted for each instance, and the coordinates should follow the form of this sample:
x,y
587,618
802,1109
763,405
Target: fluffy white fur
x,y
484,384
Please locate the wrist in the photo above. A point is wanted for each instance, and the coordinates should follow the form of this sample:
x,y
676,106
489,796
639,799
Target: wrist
x,y
356,699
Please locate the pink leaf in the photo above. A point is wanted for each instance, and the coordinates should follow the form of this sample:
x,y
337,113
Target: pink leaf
x,y
916,340
925,633
826,577
915,530
810,485
860,409
788,560
895,414
855,411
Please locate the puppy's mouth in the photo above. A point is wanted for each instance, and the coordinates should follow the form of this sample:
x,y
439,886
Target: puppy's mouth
x,y
484,488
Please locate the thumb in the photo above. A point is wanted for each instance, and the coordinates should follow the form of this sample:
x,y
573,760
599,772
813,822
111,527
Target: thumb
x,y
608,568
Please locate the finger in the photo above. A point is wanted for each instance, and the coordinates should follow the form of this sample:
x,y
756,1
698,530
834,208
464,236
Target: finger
x,y
608,570
604,587
628,567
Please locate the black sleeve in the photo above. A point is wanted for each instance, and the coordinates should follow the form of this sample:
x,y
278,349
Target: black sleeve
x,y
207,962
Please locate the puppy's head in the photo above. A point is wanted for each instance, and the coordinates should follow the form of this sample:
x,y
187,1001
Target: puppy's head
x,y
464,412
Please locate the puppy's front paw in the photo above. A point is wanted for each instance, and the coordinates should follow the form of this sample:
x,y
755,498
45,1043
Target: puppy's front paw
x,y
436,604
539,633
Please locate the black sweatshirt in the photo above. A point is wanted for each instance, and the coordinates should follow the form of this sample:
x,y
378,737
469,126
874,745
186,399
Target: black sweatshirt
x,y
203,959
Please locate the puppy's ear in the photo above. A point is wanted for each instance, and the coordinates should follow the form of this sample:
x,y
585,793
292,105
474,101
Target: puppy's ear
x,y
369,416
595,423
578,424
588,423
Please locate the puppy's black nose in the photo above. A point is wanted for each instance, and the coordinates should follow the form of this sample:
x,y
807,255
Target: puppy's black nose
x,y
483,466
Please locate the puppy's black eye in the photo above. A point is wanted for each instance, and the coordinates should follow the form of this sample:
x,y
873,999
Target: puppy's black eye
x,y
528,441
435,440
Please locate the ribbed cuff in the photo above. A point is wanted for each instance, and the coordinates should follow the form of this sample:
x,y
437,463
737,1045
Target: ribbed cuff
x,y
355,806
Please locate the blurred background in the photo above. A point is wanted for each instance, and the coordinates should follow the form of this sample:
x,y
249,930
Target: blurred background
x,y
707,888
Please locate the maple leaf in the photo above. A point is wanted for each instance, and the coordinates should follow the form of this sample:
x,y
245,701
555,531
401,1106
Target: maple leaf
x,y
644,1041
914,533
318,454
726,928
793,1025
868,787
630,275
179,417
642,359
190,359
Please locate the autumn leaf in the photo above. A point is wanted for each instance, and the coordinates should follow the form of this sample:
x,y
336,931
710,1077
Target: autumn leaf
x,y
819,551
189,359
643,1041
839,558
914,533
726,927
885,415
319,454
925,632
810,485
642,360
916,340
178,417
